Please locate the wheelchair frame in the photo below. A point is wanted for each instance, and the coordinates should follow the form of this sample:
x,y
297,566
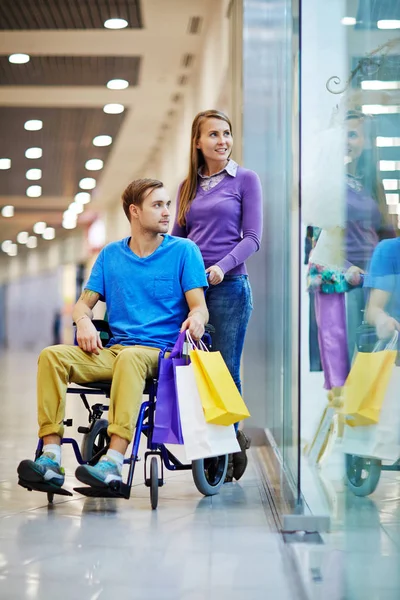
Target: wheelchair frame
x,y
203,470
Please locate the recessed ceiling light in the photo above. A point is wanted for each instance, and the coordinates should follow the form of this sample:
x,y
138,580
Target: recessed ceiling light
x,y
39,227
388,24
117,84
114,109
348,21
389,165
87,183
391,184
115,24
49,233
82,197
387,142
31,242
19,59
6,245
34,191
13,250
34,153
392,199
94,164
22,237
69,223
75,208
34,174
7,211
5,163
381,109
102,140
380,85
33,125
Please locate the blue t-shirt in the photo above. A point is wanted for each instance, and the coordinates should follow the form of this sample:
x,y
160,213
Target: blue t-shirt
x,y
145,297
384,273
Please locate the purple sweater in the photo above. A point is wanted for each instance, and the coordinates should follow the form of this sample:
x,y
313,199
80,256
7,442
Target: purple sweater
x,y
226,221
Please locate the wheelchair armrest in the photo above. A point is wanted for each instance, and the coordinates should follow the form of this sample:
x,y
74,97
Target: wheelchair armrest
x,y
103,327
100,324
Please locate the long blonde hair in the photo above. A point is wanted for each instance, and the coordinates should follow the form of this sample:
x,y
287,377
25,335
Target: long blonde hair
x,y
189,186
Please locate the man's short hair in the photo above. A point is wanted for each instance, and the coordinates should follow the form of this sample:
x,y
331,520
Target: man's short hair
x,y
136,191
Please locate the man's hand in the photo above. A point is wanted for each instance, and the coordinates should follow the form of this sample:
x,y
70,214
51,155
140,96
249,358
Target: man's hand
x,y
353,275
87,336
386,326
195,325
216,275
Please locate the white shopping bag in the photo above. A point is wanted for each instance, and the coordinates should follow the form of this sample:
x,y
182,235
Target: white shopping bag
x,y
380,441
200,439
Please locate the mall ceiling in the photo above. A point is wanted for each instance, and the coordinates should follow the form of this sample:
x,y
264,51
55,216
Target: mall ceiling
x,y
63,89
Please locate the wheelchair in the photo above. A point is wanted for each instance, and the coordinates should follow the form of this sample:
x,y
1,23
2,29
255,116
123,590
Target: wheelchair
x,y
208,474
362,472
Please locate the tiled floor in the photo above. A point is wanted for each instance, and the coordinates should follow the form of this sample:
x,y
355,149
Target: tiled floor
x,y
363,548
191,548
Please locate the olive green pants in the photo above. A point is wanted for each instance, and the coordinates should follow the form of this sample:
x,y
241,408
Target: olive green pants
x,y
127,366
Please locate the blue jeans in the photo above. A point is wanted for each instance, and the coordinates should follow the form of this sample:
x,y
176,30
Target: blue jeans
x,y
230,304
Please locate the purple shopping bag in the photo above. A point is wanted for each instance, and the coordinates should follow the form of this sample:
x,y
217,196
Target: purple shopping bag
x,y
167,423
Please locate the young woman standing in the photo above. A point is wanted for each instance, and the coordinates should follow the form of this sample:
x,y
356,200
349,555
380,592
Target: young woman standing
x,y
219,207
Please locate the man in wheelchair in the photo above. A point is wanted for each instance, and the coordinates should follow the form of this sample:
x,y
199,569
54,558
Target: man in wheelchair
x,y
153,285
383,279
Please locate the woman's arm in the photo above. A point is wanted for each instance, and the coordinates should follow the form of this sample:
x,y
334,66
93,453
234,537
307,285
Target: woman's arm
x,y
252,223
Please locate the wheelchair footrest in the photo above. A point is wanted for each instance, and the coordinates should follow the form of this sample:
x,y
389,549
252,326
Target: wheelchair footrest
x,y
122,491
43,487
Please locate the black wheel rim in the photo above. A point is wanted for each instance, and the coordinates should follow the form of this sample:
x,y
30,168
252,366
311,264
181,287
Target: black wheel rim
x,y
214,469
358,469
100,442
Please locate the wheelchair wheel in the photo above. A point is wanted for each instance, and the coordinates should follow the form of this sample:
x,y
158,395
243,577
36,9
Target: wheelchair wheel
x,y
209,474
95,441
363,474
154,483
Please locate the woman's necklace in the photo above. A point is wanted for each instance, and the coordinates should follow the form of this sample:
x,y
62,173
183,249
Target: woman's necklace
x,y
354,182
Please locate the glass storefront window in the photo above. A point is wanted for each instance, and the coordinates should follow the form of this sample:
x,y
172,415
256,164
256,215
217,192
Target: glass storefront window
x,y
350,272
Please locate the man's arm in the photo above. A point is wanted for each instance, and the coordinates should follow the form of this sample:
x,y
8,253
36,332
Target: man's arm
x,y
375,314
87,336
198,315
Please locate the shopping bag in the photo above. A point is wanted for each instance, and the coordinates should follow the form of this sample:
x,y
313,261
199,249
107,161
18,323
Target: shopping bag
x,y
220,398
382,440
201,439
365,388
167,426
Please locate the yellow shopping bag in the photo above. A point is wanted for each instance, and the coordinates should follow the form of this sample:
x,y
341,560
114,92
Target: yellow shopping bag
x,y
365,387
221,401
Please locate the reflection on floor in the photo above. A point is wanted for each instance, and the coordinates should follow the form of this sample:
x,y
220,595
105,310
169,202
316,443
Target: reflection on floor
x,y
363,548
191,548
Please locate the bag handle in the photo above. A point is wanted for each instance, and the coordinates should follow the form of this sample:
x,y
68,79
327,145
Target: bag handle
x,y
200,345
391,345
177,350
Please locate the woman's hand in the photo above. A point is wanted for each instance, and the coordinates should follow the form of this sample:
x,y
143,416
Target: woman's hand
x,y
216,275
354,275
